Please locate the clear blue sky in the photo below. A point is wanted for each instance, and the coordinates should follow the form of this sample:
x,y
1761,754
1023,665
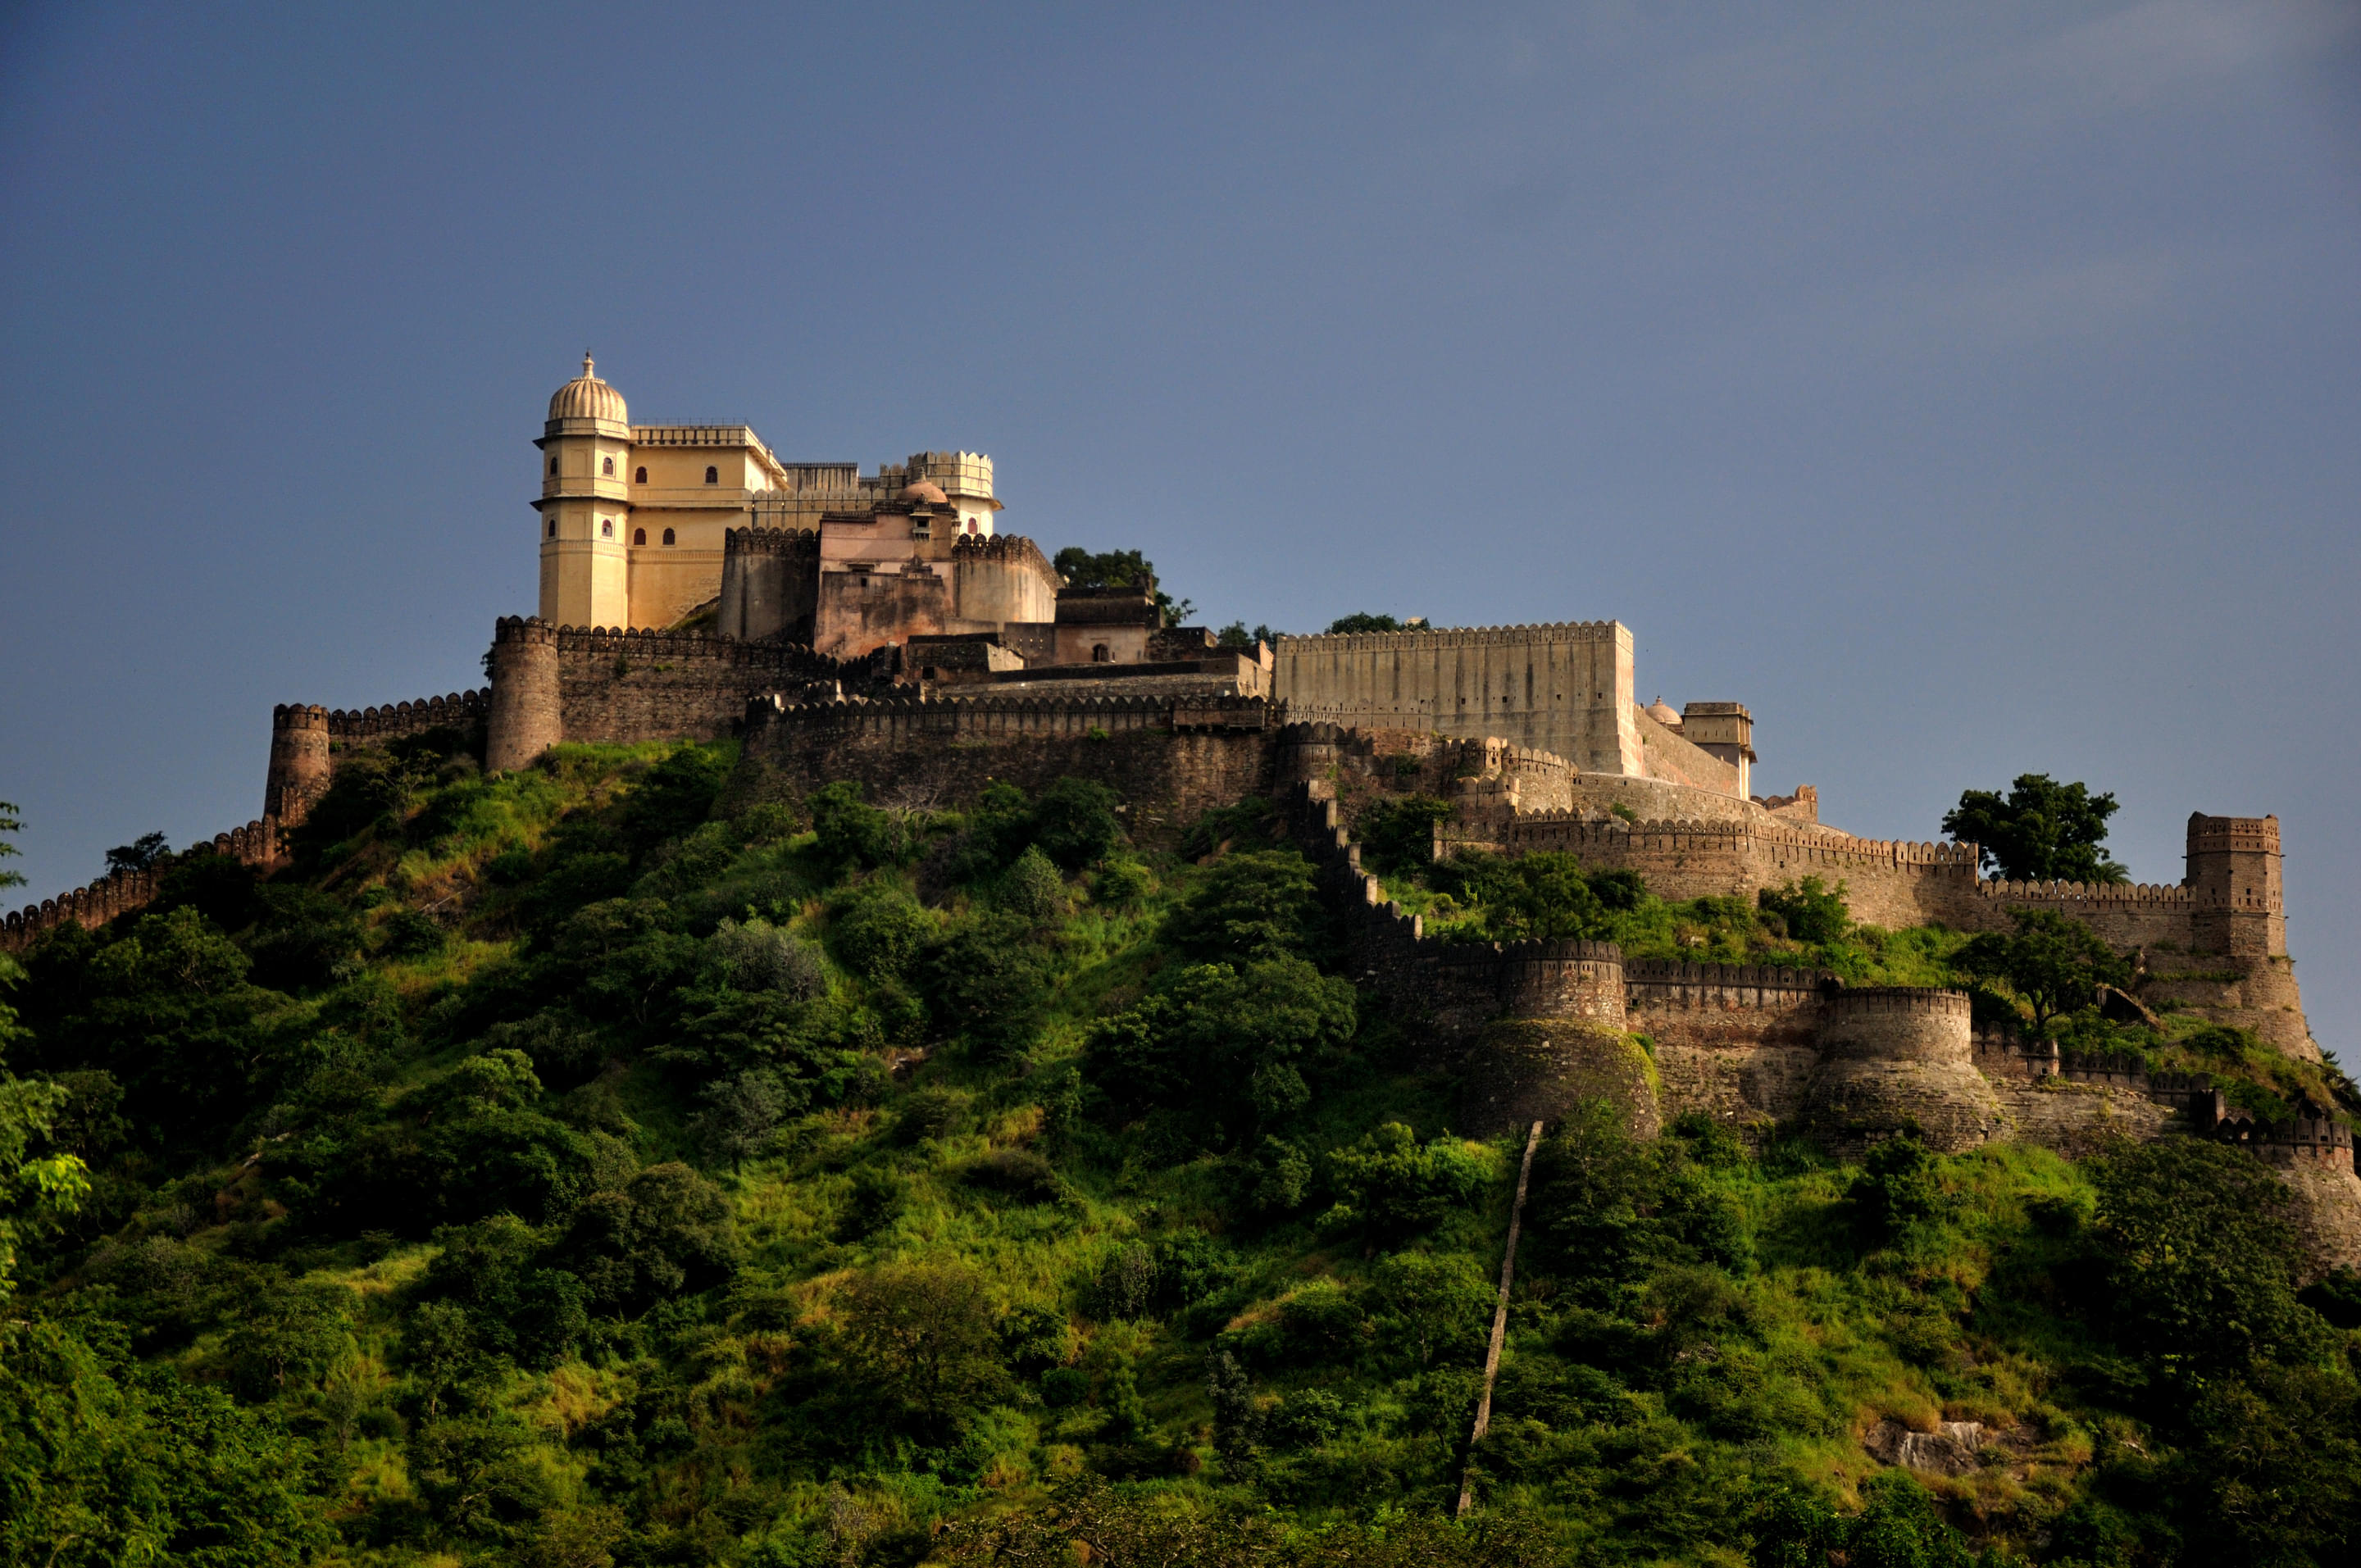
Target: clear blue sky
x,y
1970,389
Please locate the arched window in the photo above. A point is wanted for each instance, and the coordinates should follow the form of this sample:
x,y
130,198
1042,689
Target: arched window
x,y
639,536
639,476
606,528
712,476
971,525
606,466
553,465
553,527
668,538
1099,655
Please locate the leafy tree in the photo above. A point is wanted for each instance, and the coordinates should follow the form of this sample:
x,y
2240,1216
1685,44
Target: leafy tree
x,y
1282,1177
410,933
217,886
1232,1052
879,931
2272,1471
10,824
1237,1421
2040,832
103,1462
1363,621
1392,1187
1898,1527
2054,962
1126,1413
988,980
139,855
1074,823
1900,1184
474,1472
674,797
1397,833
1118,569
851,832
305,940
1541,897
1595,1193
1431,1306
739,1113
38,1189
1236,635
1305,1418
1032,889
759,956
2199,1257
439,1345
166,1008
1812,911
289,1334
922,1334
666,1231
1252,905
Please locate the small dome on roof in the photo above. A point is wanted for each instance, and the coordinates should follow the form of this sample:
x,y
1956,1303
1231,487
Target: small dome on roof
x,y
1662,713
586,397
924,490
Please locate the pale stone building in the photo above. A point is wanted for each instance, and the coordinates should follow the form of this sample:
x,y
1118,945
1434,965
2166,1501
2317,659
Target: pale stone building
x,y
634,518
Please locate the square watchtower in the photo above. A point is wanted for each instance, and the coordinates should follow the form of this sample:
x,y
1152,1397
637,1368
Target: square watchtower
x,y
2233,885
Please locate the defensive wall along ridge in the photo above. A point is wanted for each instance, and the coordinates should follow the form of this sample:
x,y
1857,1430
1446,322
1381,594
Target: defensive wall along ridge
x,y
2216,943
1533,1028
122,891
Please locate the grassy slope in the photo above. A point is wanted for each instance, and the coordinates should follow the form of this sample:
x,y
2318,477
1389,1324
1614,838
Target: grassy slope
x,y
1639,1411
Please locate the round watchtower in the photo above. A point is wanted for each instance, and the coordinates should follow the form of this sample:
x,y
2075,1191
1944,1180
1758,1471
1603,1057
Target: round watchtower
x,y
1559,1040
526,718
299,766
1895,1058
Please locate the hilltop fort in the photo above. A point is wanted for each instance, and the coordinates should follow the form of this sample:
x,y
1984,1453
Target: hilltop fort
x,y
881,628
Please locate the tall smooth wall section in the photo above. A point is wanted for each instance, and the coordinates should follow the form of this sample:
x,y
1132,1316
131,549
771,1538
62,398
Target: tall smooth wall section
x,y
1563,688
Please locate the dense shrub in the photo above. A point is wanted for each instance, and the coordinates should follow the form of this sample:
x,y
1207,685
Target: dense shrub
x,y
605,1226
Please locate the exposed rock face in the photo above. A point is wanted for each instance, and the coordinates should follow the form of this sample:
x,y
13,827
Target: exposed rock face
x,y
1951,1449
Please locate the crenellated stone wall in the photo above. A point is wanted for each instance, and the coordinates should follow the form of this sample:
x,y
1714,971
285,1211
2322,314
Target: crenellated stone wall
x,y
306,742
1170,757
1565,688
120,892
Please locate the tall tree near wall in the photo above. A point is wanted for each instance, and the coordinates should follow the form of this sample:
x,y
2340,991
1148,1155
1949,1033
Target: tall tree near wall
x,y
2040,832
1118,569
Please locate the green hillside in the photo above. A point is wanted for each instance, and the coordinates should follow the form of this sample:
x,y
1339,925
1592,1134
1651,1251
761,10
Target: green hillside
x,y
590,1166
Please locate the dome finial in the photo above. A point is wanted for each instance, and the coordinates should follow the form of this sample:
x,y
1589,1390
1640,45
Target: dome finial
x,y
586,397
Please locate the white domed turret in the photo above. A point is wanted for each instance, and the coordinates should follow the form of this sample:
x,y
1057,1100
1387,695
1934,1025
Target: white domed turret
x,y
587,398
585,508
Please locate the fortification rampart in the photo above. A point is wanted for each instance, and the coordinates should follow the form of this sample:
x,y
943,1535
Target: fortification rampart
x,y
1562,688
770,583
552,684
1665,753
1886,882
121,891
306,741
1170,757
2127,914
